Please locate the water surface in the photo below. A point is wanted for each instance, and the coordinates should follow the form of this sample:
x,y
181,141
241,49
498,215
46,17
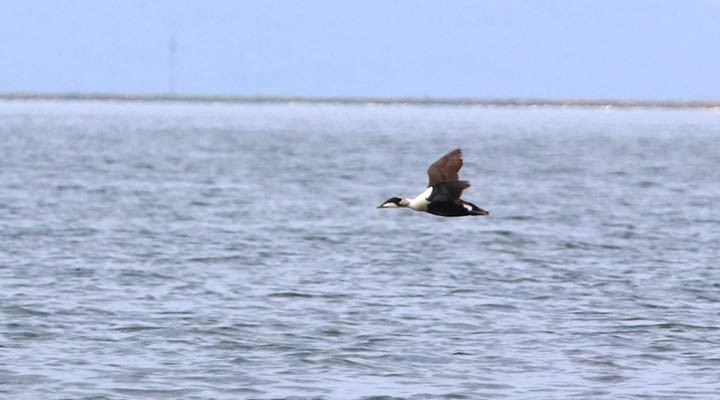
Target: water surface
x,y
204,251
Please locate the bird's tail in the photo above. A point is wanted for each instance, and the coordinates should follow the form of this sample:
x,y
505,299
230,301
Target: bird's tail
x,y
475,209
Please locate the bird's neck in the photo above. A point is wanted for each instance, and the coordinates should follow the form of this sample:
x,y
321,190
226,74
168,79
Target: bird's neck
x,y
420,202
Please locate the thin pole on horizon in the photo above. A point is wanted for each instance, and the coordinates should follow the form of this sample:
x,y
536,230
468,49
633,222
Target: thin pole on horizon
x,y
171,72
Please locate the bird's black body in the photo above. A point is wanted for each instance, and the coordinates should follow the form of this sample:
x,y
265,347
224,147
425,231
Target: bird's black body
x,y
444,200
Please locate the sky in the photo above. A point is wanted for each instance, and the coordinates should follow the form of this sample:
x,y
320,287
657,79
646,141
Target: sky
x,y
610,49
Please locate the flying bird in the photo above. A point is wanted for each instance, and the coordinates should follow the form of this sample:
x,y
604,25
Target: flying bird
x,y
442,196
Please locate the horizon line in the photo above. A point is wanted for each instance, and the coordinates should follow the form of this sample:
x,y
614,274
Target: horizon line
x,y
367,100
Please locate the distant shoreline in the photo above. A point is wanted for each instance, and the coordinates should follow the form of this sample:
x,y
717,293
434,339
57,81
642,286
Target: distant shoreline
x,y
427,101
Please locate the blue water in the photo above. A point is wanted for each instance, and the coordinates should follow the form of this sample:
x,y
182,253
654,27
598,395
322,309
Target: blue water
x,y
208,251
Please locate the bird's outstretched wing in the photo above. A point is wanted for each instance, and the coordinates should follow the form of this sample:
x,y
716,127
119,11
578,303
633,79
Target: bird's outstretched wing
x,y
446,168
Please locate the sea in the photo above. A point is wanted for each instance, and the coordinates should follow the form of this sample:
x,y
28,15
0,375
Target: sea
x,y
164,250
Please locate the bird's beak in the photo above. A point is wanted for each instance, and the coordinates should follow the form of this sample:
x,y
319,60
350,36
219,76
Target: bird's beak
x,y
383,205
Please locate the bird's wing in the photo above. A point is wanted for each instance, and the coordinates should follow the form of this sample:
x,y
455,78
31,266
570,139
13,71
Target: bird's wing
x,y
446,168
448,191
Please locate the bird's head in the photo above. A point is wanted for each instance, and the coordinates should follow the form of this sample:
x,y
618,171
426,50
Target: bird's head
x,y
394,202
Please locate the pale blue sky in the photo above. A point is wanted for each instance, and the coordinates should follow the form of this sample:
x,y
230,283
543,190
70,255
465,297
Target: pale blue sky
x,y
632,49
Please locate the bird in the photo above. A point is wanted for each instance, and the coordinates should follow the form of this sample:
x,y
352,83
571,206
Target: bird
x,y
442,196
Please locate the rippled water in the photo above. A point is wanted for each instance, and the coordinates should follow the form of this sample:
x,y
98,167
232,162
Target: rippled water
x,y
235,251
